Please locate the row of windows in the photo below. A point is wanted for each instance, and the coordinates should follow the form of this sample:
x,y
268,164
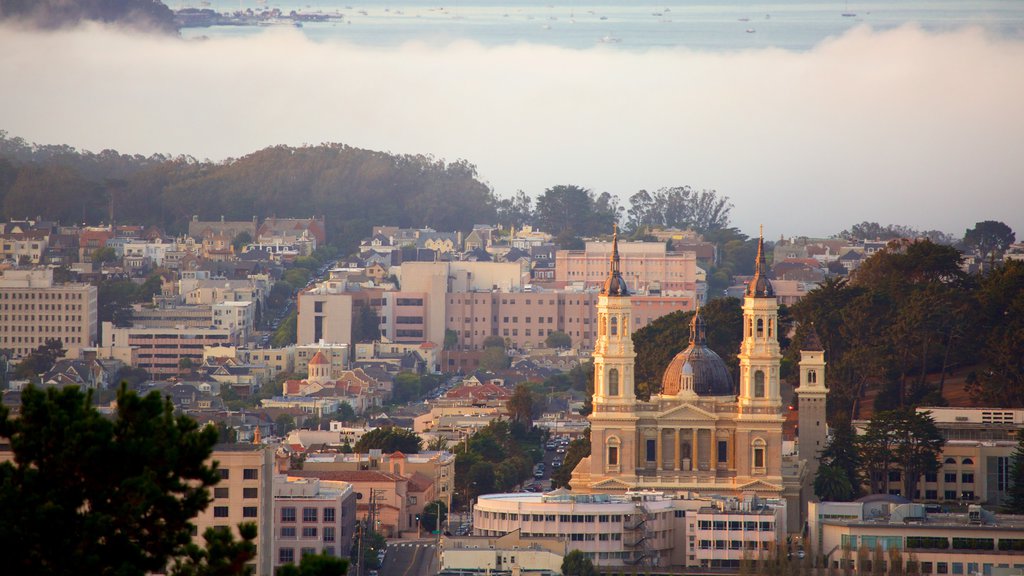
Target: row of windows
x,y
247,473
287,555
288,514
225,511
40,318
734,545
40,295
309,532
748,525
246,493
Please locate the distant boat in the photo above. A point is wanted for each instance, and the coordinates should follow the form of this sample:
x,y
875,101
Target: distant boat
x,y
744,19
604,17
849,14
751,30
609,39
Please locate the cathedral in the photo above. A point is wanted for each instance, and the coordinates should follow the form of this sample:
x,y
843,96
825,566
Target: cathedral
x,y
699,434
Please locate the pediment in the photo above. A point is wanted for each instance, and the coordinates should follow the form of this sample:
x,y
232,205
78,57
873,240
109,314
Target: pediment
x,y
760,485
611,484
686,411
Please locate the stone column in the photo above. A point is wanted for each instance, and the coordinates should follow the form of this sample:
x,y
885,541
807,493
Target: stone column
x,y
677,454
657,450
695,453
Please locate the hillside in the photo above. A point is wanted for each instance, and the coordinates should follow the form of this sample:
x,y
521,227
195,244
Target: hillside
x,y
351,187
145,14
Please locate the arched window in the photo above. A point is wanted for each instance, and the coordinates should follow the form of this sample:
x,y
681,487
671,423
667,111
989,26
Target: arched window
x,y
750,327
967,462
613,451
615,325
949,461
759,384
760,328
758,454
613,382
771,323
812,376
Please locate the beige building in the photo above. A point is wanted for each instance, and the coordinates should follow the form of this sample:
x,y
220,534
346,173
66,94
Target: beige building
x,y
311,517
507,554
325,314
33,309
437,466
244,494
698,434
845,536
159,350
644,266
975,462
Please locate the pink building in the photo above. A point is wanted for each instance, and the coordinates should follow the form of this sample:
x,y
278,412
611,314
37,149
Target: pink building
x,y
644,266
526,318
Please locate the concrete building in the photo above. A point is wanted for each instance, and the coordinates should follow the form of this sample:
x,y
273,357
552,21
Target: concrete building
x,y
640,529
34,309
845,536
644,266
524,319
311,517
159,350
325,314
244,494
389,492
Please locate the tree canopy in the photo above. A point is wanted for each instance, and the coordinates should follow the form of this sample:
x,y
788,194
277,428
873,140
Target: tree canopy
x,y
90,495
351,187
389,439
678,207
658,342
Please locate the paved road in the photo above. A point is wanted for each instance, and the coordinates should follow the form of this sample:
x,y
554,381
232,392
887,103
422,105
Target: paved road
x,y
410,558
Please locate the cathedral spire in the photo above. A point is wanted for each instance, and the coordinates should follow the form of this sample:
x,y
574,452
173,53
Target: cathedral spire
x,y
614,285
697,328
760,286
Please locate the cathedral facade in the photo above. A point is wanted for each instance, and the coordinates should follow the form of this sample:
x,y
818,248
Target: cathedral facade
x,y
699,434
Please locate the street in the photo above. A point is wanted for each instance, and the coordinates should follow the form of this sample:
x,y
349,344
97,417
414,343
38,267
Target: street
x,y
410,558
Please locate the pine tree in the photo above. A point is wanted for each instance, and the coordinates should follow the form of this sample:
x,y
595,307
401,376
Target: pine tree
x,y
1015,494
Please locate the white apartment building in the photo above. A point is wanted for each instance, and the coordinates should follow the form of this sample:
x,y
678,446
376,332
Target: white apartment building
x,y
34,309
640,529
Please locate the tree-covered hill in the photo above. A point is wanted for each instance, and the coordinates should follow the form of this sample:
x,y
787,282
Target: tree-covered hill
x,y
148,14
352,188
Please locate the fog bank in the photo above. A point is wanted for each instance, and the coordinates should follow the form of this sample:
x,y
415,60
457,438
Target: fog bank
x,y
900,126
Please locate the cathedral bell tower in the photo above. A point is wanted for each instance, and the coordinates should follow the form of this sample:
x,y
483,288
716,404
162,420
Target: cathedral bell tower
x,y
613,350
613,421
759,353
812,395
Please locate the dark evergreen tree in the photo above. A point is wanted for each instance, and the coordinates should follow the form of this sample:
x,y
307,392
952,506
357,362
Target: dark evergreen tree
x,y
90,495
1015,495
389,439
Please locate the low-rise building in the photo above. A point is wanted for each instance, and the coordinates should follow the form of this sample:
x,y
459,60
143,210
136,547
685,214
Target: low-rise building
x,y
502,555
641,529
160,350
975,462
312,517
846,535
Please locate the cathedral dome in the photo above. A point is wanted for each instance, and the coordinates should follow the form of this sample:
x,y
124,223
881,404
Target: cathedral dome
x,y
698,368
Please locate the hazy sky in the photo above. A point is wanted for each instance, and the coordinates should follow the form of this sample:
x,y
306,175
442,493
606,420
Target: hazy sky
x,y
896,127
